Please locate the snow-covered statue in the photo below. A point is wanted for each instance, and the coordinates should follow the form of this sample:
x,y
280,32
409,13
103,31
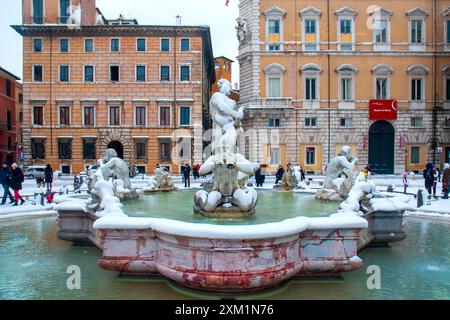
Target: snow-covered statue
x,y
112,166
340,176
242,31
227,198
74,13
290,179
162,181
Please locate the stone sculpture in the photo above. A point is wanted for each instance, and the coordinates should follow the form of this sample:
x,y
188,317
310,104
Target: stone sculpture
x,y
162,181
112,166
340,176
227,197
290,179
242,31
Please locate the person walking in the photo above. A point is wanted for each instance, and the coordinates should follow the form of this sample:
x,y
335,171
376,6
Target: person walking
x,y
76,184
187,176
5,181
259,178
429,178
302,174
17,178
194,172
48,177
446,180
183,167
279,174
405,181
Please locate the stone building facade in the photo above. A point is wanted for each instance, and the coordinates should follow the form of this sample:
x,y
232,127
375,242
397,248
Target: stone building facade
x,y
91,83
313,72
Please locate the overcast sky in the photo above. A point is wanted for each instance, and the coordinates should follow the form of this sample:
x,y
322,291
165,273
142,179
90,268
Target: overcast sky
x,y
214,13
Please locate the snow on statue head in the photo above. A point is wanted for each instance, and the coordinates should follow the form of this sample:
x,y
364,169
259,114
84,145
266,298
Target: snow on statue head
x,y
112,166
225,86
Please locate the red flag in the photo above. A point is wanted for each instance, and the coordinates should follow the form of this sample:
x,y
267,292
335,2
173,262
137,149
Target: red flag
x,y
227,2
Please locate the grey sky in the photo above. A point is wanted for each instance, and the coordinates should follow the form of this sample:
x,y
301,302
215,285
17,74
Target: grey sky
x,y
214,13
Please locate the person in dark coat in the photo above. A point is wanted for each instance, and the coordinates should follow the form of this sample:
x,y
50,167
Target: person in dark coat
x,y
48,176
194,172
259,177
17,178
187,176
5,181
446,180
279,174
429,178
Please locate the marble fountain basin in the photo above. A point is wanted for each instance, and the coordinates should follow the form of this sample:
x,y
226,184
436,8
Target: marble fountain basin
x,y
218,258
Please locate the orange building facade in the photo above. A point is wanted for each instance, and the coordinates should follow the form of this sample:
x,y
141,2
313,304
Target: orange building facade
x,y
92,84
223,70
312,74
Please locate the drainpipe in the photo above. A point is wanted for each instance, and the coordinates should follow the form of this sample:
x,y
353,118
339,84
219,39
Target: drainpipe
x,y
174,111
435,96
329,81
51,93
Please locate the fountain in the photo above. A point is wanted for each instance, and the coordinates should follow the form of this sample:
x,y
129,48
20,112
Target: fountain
x,y
161,182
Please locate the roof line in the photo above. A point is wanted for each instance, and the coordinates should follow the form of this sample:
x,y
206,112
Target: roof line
x,y
9,73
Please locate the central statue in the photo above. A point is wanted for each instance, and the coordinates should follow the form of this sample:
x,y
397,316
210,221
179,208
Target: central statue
x,y
228,198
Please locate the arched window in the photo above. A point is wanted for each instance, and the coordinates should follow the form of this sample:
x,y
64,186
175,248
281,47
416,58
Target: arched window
x,y
381,78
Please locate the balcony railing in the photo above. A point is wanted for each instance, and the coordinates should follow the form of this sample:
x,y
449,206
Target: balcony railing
x,y
37,20
63,20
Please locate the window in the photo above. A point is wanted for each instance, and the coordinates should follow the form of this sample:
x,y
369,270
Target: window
x,y
89,45
346,47
310,155
447,122
346,26
185,73
88,73
310,47
274,87
310,122
140,44
141,150
20,98
37,45
164,150
89,116
416,31
8,88
310,26
141,118
64,10
164,116
37,148
65,169
274,122
416,89
310,89
115,44
114,116
165,73
346,89
64,116
89,149
64,73
65,149
185,116
114,73
140,73
275,156
381,31
346,122
8,120
448,31
64,45
217,65
274,47
38,116
447,88
37,73
381,88
165,45
185,44
274,26
38,12
415,155
416,122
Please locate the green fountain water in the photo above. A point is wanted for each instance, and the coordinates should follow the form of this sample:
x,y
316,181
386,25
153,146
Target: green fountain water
x,y
33,261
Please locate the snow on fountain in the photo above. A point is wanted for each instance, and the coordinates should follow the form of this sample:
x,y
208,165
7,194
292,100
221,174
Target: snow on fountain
x,y
162,181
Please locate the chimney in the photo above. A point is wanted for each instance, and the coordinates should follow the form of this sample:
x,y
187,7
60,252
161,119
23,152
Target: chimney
x,y
88,12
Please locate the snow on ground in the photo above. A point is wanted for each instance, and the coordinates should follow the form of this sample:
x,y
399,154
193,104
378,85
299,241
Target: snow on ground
x,y
64,185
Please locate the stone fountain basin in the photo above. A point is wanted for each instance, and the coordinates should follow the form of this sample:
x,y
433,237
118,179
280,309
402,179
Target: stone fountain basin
x,y
221,258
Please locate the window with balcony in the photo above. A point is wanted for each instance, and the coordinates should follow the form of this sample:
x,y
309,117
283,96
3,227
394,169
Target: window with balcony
x,y
37,45
64,73
89,45
164,116
114,116
140,73
38,12
165,73
64,116
64,10
88,73
88,116
185,116
140,116
115,44
185,73
64,45
38,148
185,45
37,73
64,149
89,146
38,116
165,45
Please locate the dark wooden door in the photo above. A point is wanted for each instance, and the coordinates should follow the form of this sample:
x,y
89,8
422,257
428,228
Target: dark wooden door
x,y
381,147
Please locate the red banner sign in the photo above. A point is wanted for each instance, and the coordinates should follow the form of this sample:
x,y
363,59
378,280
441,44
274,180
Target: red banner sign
x,y
383,109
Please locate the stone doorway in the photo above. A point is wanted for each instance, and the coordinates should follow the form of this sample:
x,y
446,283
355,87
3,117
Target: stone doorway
x,y
116,145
